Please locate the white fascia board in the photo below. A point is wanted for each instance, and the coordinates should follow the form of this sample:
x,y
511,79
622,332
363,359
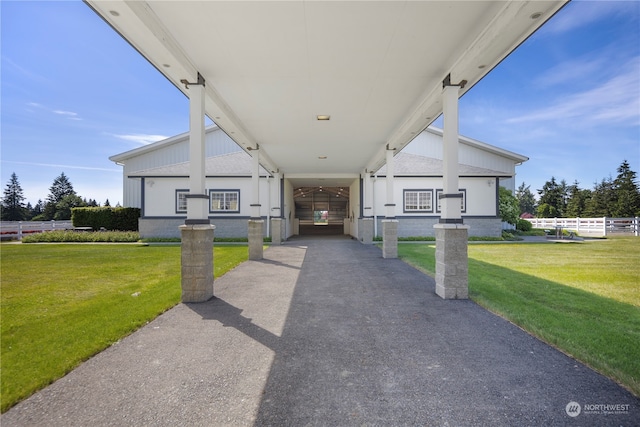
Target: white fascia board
x,y
483,146
119,158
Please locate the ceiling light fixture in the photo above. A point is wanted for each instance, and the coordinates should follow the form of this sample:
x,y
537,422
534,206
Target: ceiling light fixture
x,y
323,117
322,157
114,13
536,15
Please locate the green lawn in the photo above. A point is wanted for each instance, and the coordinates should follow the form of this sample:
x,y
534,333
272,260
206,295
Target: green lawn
x,y
61,304
583,298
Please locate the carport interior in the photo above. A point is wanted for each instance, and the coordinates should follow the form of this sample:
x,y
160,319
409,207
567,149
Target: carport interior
x,y
321,210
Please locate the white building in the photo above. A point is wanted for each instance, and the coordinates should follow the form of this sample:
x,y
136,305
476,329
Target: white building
x,y
324,94
156,181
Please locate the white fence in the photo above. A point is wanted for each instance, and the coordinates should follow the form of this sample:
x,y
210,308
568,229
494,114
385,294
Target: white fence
x,y
17,229
590,226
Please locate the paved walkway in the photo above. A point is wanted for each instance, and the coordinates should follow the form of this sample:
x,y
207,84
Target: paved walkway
x,y
324,331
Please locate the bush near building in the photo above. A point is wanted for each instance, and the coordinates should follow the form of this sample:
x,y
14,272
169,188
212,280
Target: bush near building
x,y
121,219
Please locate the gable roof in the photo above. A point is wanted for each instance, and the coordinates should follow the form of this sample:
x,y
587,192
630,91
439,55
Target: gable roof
x,y
482,145
231,164
407,164
176,139
240,164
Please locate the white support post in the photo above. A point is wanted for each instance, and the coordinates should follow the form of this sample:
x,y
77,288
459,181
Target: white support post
x,y
275,195
367,211
451,235
275,224
197,233
197,200
390,205
390,223
255,184
451,202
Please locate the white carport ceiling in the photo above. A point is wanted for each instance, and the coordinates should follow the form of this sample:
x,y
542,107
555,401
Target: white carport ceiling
x,y
375,67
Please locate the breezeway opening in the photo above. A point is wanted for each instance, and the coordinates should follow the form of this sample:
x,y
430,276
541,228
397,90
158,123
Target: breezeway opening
x,y
321,210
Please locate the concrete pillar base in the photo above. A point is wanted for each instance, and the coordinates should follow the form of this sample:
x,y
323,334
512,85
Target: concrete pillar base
x,y
276,231
197,262
389,238
367,231
256,240
452,267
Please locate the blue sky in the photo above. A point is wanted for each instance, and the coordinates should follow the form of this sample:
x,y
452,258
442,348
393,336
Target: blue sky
x,y
74,93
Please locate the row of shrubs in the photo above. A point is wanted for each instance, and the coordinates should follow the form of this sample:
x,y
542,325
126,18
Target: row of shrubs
x,y
83,237
111,236
107,218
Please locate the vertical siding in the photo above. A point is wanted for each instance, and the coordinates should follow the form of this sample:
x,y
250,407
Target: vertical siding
x,y
216,143
430,145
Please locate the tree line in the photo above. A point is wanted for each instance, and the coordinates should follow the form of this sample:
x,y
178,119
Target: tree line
x,y
611,197
57,206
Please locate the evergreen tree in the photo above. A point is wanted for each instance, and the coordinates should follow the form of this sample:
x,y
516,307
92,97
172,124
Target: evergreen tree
x,y
603,198
627,195
60,188
526,199
555,196
578,199
36,211
13,207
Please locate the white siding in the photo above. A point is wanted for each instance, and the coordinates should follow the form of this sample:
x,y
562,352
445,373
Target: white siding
x,y
430,145
160,195
480,193
216,143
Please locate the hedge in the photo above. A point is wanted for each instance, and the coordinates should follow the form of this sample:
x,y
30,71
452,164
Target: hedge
x,y
121,219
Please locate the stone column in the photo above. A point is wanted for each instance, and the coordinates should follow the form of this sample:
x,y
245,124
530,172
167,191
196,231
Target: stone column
x,y
276,231
451,234
390,224
367,230
451,261
197,232
256,239
389,238
197,262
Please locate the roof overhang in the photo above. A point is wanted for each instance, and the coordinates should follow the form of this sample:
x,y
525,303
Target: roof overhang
x,y
376,67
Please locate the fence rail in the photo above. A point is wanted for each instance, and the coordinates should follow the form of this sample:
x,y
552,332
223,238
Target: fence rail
x,y
17,229
590,226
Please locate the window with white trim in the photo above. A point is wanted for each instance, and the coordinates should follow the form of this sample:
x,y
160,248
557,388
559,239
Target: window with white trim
x,y
418,200
224,201
181,201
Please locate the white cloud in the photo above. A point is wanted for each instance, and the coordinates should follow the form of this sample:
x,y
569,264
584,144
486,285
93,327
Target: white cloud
x,y
142,139
54,165
69,114
578,69
583,13
615,101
